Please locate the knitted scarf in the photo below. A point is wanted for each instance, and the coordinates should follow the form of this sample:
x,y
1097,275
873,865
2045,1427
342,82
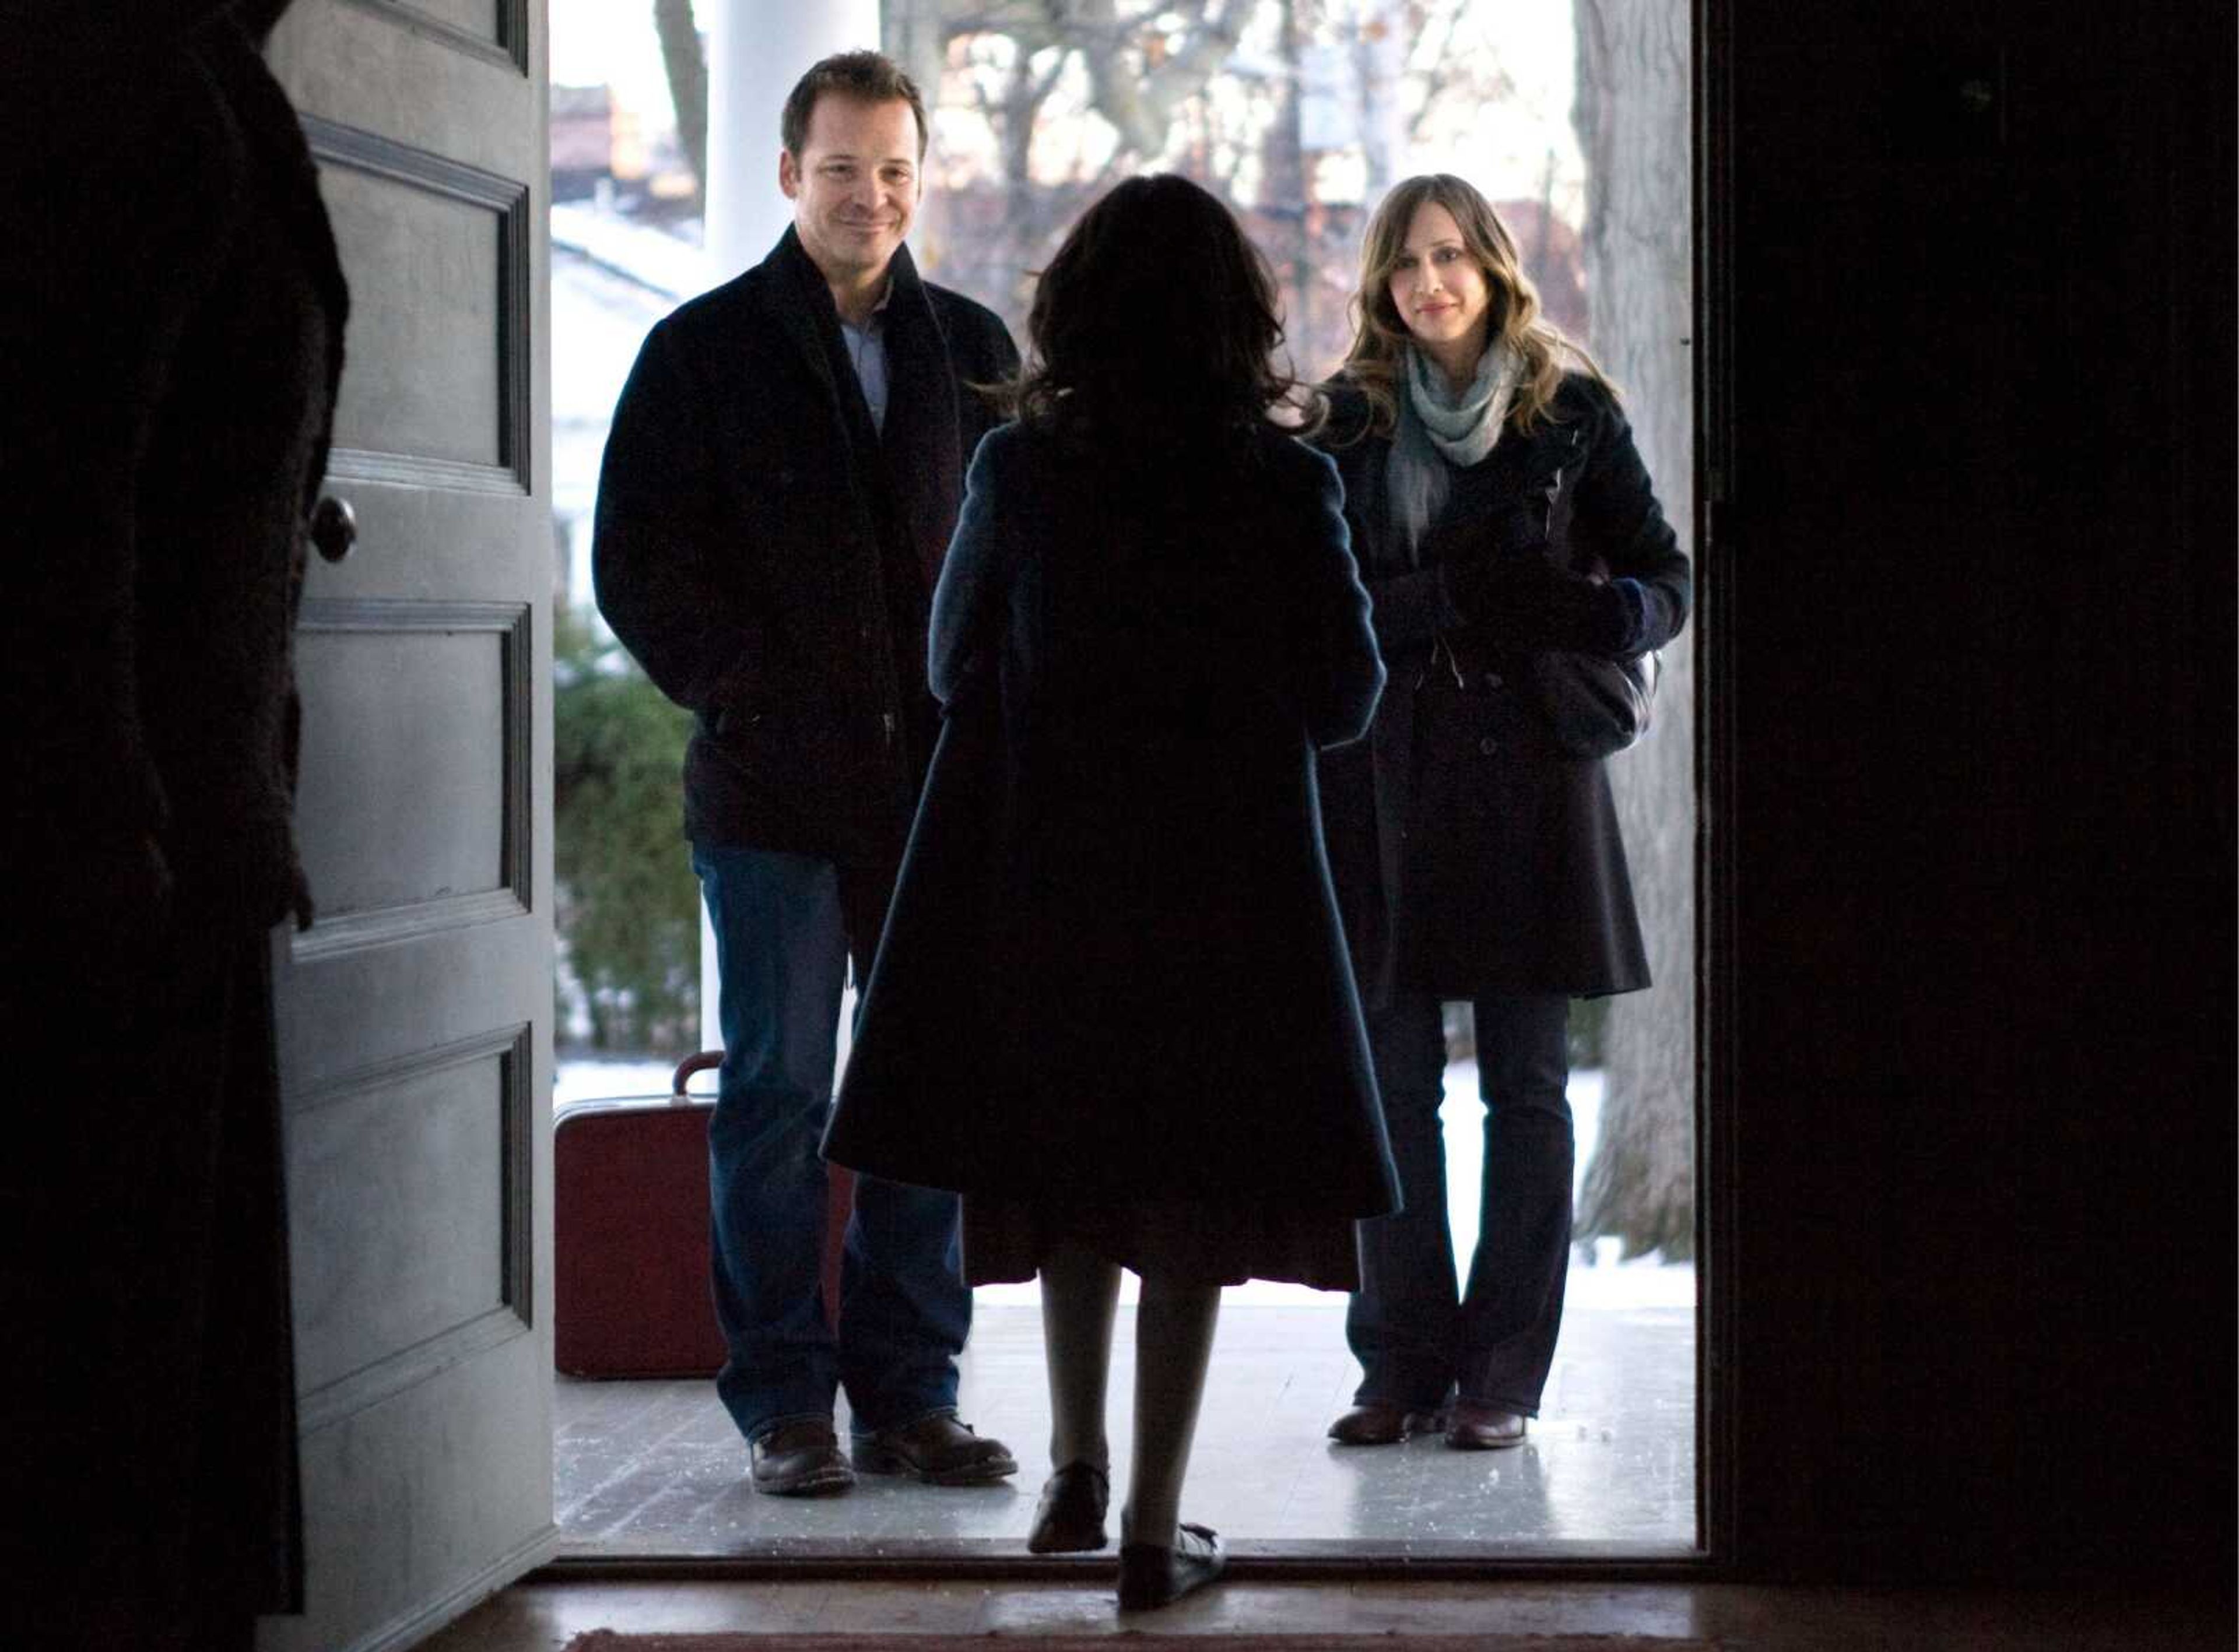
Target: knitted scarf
x,y
1438,428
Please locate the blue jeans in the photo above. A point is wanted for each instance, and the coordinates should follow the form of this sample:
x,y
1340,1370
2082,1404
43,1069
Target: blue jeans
x,y
1418,1340
786,926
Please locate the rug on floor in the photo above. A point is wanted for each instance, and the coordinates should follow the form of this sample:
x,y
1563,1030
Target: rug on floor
x,y
905,1641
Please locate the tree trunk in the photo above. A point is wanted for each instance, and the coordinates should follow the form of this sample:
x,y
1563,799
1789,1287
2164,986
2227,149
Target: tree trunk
x,y
1379,60
686,63
1283,197
1631,117
915,35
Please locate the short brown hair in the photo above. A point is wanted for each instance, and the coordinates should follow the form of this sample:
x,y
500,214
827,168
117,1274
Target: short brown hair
x,y
870,76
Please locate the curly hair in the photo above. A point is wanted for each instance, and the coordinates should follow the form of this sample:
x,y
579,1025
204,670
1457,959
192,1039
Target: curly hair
x,y
1157,323
1379,337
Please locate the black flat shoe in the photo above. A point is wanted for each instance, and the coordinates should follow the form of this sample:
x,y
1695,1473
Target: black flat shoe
x,y
1070,1518
1152,1576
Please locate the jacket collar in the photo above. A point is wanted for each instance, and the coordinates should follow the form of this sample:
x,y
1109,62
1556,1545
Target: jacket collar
x,y
918,458
804,300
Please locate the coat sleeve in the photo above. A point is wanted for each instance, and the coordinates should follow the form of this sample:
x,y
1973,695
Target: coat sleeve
x,y
967,602
1340,669
670,574
1617,518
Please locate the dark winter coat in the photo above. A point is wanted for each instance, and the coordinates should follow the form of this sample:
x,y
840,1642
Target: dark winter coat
x,y
767,555
171,319
1548,906
1113,965
173,325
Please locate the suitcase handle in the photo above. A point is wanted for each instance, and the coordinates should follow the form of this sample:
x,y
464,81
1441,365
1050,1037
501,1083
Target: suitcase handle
x,y
703,1062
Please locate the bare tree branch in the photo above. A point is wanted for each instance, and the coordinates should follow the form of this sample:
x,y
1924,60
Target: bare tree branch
x,y
1140,103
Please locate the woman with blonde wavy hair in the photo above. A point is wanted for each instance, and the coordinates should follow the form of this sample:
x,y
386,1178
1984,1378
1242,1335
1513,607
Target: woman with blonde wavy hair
x,y
1508,536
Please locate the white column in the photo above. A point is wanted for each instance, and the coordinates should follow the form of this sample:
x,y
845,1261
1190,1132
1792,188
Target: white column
x,y
756,50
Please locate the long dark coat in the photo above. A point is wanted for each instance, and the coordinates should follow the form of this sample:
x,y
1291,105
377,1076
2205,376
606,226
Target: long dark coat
x,y
1549,905
1113,965
767,555
171,314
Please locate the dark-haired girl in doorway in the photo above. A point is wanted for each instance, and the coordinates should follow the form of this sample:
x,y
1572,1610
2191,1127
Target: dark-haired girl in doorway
x,y
1112,1006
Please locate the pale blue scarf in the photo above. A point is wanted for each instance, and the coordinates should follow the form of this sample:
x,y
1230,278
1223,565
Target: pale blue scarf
x,y
1438,429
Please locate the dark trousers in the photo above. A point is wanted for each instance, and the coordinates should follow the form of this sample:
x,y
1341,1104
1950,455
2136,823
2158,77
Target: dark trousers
x,y
1418,1339
786,926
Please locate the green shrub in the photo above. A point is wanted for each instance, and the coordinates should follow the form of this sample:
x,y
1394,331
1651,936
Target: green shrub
x,y
628,905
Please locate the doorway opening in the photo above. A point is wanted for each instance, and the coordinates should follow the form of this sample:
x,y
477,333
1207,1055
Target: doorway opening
x,y
1576,120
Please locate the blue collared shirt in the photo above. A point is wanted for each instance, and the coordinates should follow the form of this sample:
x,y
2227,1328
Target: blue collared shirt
x,y
867,348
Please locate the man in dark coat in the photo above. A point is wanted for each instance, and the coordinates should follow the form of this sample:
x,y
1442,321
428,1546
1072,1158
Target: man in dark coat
x,y
171,314
779,487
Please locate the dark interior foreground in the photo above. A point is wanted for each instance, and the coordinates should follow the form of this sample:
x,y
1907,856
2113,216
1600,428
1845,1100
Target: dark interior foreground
x,y
1970,956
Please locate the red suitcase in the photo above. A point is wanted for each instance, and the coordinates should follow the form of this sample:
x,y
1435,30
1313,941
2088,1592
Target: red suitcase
x,y
630,1216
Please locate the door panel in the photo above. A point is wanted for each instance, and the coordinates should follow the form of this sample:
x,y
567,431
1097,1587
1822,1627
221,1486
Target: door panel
x,y
414,1017
426,261
398,765
432,1138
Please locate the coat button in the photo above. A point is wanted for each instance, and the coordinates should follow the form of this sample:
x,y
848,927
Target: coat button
x,y
334,527
1488,745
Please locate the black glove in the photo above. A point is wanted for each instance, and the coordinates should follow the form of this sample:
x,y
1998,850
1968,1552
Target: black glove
x,y
1594,616
1499,594
1529,603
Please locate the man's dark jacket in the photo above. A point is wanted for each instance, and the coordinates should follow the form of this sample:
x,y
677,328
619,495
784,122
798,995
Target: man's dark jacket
x,y
768,556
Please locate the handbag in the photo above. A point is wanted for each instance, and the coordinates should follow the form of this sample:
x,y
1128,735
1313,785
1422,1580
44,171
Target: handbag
x,y
1596,706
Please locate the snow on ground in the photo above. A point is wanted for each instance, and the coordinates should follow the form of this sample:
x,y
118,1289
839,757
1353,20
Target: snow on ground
x,y
654,256
1644,1282
576,1080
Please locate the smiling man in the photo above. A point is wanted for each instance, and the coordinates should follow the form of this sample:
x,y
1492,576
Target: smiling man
x,y
780,486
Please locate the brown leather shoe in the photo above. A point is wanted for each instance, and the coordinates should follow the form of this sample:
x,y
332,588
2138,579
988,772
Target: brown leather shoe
x,y
1379,1423
799,1460
1483,1428
937,1450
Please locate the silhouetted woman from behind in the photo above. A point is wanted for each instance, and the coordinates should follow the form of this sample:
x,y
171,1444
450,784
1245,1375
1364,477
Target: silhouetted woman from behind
x,y
1112,1006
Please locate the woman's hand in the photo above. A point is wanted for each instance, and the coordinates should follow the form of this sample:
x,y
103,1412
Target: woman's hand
x,y
1528,602
1594,615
